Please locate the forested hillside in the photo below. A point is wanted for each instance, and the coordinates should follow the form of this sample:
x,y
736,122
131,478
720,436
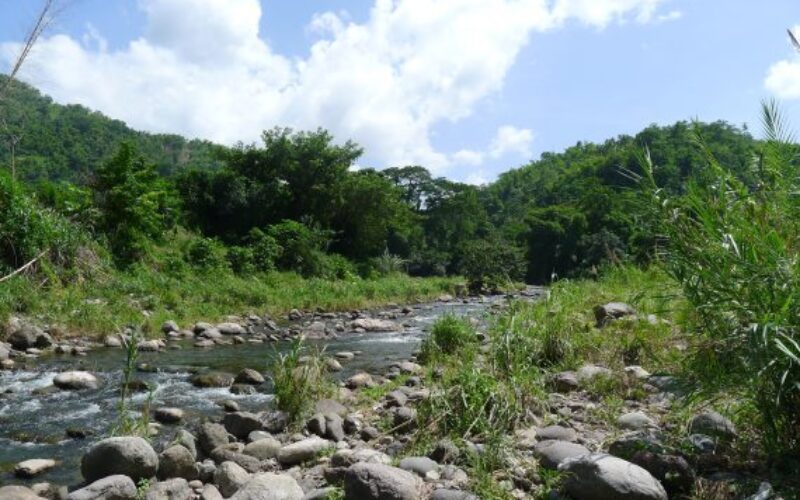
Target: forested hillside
x,y
58,142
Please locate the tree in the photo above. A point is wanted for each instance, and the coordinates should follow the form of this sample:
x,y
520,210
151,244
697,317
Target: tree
x,y
134,203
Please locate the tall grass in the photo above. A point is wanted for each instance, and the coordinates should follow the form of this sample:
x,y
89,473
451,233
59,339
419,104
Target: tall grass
x,y
735,250
127,424
299,380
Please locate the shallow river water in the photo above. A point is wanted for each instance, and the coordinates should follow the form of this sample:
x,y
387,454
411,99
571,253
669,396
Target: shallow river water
x,y
33,423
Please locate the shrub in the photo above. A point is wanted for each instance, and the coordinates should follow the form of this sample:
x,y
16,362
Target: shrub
x,y
298,383
241,260
449,335
301,247
264,249
491,264
206,254
736,252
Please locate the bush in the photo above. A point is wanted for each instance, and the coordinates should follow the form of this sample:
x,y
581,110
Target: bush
x,y
491,264
449,335
241,260
301,247
298,385
736,252
206,254
264,249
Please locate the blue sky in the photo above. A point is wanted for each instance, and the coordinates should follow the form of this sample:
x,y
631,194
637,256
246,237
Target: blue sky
x,y
469,88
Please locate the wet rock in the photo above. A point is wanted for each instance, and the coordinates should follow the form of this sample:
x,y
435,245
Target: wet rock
x,y
634,421
50,491
78,433
301,451
229,405
18,493
268,486
600,477
76,381
418,465
712,424
556,433
295,315
211,379
263,449
242,389
445,494
249,376
211,436
229,478
611,311
150,345
177,461
365,481
116,487
33,467
552,453
231,329
345,355
112,341
674,472
169,415
374,325
131,456
171,489
332,365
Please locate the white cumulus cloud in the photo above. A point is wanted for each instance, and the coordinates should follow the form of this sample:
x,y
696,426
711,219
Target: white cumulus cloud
x,y
200,68
783,77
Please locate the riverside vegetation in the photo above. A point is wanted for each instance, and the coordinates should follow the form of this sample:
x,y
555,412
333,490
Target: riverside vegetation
x,y
663,361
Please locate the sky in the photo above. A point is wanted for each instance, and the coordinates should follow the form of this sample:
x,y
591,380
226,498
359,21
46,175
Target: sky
x,y
466,88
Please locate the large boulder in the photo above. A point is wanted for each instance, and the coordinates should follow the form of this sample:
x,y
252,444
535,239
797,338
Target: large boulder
x,y
33,467
263,449
231,329
212,379
242,423
229,477
131,456
211,436
374,325
369,481
600,477
295,453
249,376
177,461
117,487
76,381
268,486
674,472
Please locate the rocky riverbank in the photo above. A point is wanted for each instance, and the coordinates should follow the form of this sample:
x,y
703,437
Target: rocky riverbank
x,y
377,437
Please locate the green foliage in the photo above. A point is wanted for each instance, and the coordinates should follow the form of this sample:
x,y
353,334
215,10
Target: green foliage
x,y
299,380
491,264
127,424
301,247
449,335
734,249
207,254
134,204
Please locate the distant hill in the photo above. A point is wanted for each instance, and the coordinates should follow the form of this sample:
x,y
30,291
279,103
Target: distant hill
x,y
61,142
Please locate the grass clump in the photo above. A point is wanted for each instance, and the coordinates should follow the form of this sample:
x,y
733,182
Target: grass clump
x,y
299,380
449,335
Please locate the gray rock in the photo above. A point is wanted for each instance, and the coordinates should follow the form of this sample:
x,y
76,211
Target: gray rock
x,y
263,449
231,329
320,493
249,376
325,406
374,325
418,465
210,492
611,311
601,477
405,419
242,389
557,433
33,467
211,436
242,423
117,487
19,493
702,443
634,421
396,399
268,486
674,472
712,424
361,379
334,429
229,478
627,445
226,454
187,440
552,453
316,424
76,381
169,327
169,415
444,494
369,433
28,336
177,461
445,452
212,379
565,382
256,435
301,451
587,373
171,489
276,421
131,456
366,481
346,458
